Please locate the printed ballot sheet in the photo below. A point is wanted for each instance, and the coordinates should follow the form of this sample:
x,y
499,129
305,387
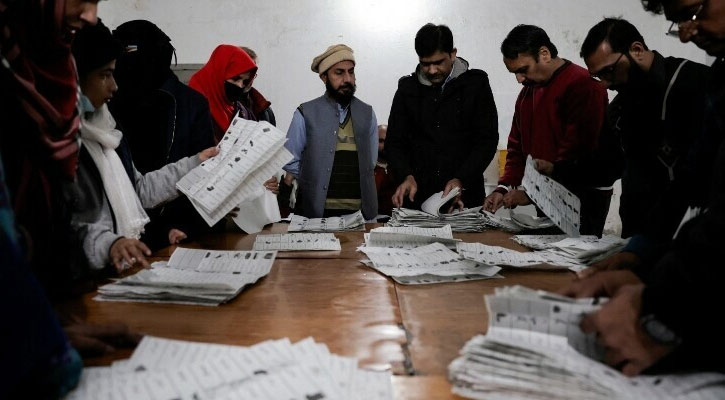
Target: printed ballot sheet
x,y
433,259
534,349
192,276
249,154
349,222
556,202
165,369
297,242
408,237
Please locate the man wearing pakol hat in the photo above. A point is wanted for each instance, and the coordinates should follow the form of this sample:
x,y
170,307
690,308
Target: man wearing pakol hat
x,y
334,142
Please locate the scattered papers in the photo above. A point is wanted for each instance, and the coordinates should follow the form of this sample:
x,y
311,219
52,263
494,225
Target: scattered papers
x,y
408,237
433,259
534,349
253,215
164,369
572,253
467,220
350,222
554,200
192,276
249,154
297,242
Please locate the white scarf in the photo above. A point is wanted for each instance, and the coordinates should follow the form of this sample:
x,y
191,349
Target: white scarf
x,y
100,136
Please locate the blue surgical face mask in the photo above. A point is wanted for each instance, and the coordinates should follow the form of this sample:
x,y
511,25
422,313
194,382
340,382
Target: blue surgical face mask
x,y
86,105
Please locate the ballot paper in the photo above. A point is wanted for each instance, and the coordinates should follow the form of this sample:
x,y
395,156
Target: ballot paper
x,y
433,259
554,252
553,199
192,276
534,349
408,237
249,154
297,242
254,214
165,369
466,220
437,204
350,222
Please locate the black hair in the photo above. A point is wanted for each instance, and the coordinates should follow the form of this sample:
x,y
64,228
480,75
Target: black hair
x,y
93,47
431,38
527,39
618,32
654,6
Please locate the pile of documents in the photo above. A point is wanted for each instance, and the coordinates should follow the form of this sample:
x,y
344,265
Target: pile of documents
x,y
434,214
192,276
409,237
515,222
297,242
565,253
534,349
250,153
350,222
432,263
164,369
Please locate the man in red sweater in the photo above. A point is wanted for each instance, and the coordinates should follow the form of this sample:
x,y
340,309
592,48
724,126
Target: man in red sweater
x,y
558,118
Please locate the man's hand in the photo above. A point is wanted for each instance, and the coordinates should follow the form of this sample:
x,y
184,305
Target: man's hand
x,y
288,179
603,284
493,202
544,167
515,198
621,260
628,347
176,236
272,185
457,204
408,187
95,340
208,153
131,251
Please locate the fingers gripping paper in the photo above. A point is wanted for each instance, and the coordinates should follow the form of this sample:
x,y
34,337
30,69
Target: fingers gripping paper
x,y
559,204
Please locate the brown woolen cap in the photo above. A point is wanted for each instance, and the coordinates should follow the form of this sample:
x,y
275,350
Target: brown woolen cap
x,y
333,55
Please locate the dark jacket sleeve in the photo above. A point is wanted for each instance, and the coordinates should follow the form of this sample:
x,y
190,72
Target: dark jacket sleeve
x,y
485,140
398,139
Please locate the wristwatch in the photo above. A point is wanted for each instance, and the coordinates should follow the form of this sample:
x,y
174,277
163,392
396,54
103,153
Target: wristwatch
x,y
658,331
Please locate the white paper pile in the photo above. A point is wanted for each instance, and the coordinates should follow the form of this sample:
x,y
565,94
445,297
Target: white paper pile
x,y
164,369
192,276
408,237
572,253
297,242
515,222
350,222
530,352
250,153
432,263
467,220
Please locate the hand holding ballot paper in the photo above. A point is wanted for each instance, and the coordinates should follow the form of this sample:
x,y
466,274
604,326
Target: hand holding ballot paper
x,y
249,154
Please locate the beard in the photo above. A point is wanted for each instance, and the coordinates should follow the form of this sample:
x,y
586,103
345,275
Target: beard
x,y
342,94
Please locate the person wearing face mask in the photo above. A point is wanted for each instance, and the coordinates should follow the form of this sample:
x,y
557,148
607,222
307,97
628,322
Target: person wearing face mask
x,y
558,119
334,142
443,125
254,100
163,121
223,80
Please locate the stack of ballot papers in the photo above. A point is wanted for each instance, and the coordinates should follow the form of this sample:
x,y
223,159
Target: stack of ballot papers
x,y
192,276
565,253
250,153
534,349
467,220
432,263
350,222
164,369
408,237
515,222
297,242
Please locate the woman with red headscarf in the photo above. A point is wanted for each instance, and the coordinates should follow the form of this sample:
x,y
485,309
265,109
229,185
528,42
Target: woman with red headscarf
x,y
223,81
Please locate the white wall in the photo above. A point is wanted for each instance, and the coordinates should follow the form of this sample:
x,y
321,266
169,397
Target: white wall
x,y
287,34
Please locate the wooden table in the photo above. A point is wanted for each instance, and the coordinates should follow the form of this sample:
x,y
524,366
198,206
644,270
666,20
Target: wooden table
x,y
413,330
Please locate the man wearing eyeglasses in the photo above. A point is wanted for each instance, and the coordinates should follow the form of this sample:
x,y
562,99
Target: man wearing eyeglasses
x,y
656,114
558,119
663,316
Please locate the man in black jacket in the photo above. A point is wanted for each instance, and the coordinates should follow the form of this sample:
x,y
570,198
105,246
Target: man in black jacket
x,y
663,316
443,127
657,113
162,119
